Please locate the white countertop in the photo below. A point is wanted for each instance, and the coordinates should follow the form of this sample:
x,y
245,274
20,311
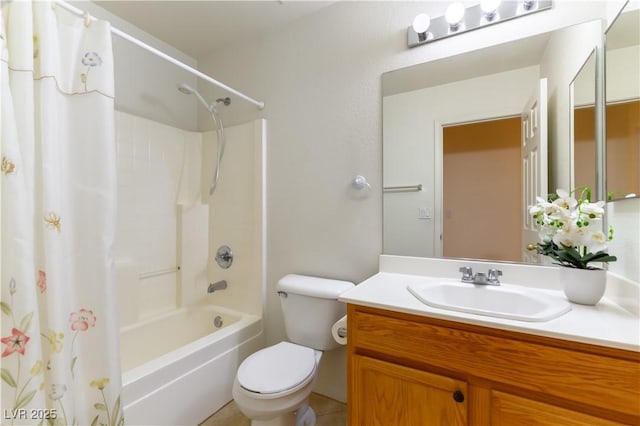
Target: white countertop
x,y
605,324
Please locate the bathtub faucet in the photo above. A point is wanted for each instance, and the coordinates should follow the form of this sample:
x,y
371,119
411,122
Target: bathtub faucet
x,y
219,285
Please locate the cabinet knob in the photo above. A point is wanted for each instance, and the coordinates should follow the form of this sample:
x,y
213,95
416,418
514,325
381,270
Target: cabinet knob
x,y
458,396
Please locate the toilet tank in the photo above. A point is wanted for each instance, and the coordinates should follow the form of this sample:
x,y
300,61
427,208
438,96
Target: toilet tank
x,y
310,307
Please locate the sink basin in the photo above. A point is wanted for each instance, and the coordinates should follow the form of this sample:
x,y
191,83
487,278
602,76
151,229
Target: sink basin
x,y
504,301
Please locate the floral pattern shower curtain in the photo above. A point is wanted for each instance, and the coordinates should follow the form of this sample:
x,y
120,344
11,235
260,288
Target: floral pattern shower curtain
x,y
60,344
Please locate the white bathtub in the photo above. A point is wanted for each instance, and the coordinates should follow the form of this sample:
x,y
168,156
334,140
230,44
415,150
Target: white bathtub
x,y
178,368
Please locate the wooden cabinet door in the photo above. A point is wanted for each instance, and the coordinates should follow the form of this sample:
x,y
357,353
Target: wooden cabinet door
x,y
388,394
508,410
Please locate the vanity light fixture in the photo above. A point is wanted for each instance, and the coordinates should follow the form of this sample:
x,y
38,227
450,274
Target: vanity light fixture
x,y
490,10
421,25
458,19
455,17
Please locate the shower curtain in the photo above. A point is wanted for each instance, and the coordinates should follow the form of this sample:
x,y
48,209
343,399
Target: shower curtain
x,y
60,347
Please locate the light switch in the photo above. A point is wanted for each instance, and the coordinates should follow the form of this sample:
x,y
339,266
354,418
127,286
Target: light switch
x,y
424,213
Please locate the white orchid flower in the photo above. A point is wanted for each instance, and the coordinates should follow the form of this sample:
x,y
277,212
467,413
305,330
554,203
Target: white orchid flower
x,y
592,210
566,238
536,209
570,223
546,233
565,200
597,242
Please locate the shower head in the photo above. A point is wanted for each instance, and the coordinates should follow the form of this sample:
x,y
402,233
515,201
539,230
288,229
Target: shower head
x,y
188,90
185,88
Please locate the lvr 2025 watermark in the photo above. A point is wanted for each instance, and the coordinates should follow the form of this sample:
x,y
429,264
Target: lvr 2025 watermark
x,y
30,414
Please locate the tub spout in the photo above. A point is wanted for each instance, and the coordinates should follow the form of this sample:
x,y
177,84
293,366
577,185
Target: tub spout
x,y
219,285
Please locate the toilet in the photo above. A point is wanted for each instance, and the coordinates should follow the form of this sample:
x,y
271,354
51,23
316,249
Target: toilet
x,y
272,386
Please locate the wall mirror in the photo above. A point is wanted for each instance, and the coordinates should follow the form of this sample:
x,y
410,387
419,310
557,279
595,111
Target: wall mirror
x,y
583,91
452,136
622,56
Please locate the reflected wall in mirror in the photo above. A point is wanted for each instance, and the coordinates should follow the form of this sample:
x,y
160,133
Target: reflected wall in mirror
x,y
623,106
584,125
423,103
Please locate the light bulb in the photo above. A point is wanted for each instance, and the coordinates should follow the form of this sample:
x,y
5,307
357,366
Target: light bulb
x,y
490,6
454,14
421,23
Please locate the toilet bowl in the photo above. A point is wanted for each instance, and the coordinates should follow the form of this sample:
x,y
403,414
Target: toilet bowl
x,y
272,386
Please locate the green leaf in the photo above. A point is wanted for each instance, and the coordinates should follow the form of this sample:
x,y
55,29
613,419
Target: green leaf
x,y
6,309
115,412
600,256
25,399
94,422
25,322
8,378
571,256
99,406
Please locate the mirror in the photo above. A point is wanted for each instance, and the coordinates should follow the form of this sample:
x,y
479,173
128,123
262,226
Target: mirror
x,y
427,104
622,50
583,91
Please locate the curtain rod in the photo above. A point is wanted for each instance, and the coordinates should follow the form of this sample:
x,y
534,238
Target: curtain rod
x,y
162,55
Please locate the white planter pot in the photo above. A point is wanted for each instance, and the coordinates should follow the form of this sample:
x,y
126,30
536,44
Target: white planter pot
x,y
583,286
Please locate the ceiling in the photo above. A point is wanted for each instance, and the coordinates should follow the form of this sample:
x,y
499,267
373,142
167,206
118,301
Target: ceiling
x,y
199,27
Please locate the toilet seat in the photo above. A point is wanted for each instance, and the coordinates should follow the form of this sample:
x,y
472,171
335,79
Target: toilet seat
x,y
277,370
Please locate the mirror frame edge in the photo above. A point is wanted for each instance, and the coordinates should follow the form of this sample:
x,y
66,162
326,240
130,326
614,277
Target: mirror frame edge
x,y
600,118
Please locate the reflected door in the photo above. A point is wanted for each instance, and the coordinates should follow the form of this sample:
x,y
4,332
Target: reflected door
x,y
534,165
481,190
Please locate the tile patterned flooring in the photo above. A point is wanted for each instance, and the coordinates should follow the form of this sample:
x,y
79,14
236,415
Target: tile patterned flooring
x,y
328,413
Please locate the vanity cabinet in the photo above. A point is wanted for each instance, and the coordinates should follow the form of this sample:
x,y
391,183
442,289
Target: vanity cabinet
x,y
413,370
391,394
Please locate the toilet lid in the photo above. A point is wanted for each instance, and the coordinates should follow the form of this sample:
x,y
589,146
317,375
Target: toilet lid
x,y
276,368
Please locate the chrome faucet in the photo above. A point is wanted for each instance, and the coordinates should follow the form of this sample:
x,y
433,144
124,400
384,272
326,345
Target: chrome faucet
x,y
490,278
219,285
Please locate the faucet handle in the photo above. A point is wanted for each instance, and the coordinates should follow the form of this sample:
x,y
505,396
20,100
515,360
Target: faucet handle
x,y
467,273
492,276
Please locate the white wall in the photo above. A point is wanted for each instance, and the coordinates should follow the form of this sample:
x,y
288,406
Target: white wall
x,y
623,69
624,216
145,85
320,79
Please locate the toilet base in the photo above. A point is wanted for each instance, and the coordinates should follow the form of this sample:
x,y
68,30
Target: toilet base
x,y
303,416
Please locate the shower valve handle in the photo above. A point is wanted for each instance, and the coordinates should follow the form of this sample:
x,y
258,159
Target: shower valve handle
x,y
224,257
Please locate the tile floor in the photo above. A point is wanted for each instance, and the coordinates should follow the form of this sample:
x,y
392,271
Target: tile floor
x,y
329,412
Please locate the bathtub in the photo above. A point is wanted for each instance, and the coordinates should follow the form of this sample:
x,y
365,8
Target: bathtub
x,y
178,368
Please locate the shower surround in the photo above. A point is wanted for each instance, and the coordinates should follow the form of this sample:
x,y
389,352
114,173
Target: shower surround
x,y
169,229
